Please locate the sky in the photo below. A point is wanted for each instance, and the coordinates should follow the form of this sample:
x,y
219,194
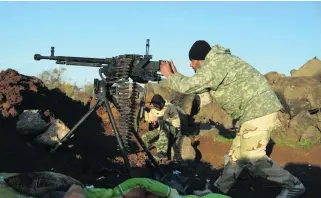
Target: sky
x,y
271,36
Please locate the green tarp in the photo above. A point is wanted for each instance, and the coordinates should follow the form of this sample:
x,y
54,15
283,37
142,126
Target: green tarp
x,y
152,186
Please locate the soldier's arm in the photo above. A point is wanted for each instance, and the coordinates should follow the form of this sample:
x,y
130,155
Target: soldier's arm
x,y
209,76
149,115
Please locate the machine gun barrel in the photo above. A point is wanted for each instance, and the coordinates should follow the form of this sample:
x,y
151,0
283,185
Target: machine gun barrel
x,y
71,60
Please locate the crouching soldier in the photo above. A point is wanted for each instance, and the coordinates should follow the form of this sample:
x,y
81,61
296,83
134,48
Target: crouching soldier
x,y
165,123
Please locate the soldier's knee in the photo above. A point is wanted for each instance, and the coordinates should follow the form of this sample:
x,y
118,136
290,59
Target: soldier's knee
x,y
146,139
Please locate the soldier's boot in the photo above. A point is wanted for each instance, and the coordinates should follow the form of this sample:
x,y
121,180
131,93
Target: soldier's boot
x,y
231,172
269,170
292,192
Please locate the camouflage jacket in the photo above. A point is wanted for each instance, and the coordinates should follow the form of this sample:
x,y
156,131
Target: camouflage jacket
x,y
237,87
169,113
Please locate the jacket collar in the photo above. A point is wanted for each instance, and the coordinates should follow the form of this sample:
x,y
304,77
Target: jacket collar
x,y
218,49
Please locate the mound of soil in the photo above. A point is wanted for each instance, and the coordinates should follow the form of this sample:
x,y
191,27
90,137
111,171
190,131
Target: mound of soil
x,y
13,88
19,92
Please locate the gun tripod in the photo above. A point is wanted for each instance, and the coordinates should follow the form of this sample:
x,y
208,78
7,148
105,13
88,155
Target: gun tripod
x,y
103,97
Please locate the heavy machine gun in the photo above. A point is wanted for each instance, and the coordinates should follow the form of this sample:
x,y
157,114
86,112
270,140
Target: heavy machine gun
x,y
139,68
114,86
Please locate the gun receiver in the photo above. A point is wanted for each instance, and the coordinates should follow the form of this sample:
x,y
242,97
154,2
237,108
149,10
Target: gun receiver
x,y
142,69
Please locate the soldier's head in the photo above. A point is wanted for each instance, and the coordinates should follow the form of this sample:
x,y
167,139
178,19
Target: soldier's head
x,y
158,102
197,53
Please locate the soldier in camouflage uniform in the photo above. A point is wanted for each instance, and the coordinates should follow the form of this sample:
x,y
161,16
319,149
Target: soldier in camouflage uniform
x,y
165,120
247,97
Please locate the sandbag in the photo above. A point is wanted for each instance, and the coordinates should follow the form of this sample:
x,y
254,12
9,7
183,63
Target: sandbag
x,y
40,183
6,191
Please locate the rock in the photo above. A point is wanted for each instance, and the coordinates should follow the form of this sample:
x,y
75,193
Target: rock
x,y
298,93
30,122
212,112
304,127
292,72
310,68
54,133
271,77
283,120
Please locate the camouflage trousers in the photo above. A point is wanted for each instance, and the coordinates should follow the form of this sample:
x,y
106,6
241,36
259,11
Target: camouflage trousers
x,y
158,138
249,150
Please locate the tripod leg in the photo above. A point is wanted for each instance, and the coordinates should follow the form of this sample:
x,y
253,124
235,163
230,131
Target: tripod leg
x,y
76,126
116,132
163,175
150,156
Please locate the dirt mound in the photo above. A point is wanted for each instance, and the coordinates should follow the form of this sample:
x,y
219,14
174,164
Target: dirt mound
x,y
19,92
310,68
88,153
13,88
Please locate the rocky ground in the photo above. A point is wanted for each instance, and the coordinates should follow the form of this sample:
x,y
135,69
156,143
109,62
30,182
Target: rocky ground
x,y
92,155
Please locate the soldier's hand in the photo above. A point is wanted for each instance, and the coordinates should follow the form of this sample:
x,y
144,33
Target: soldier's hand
x,y
173,66
154,119
165,68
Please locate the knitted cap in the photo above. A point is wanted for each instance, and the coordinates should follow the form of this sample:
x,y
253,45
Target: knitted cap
x,y
199,50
